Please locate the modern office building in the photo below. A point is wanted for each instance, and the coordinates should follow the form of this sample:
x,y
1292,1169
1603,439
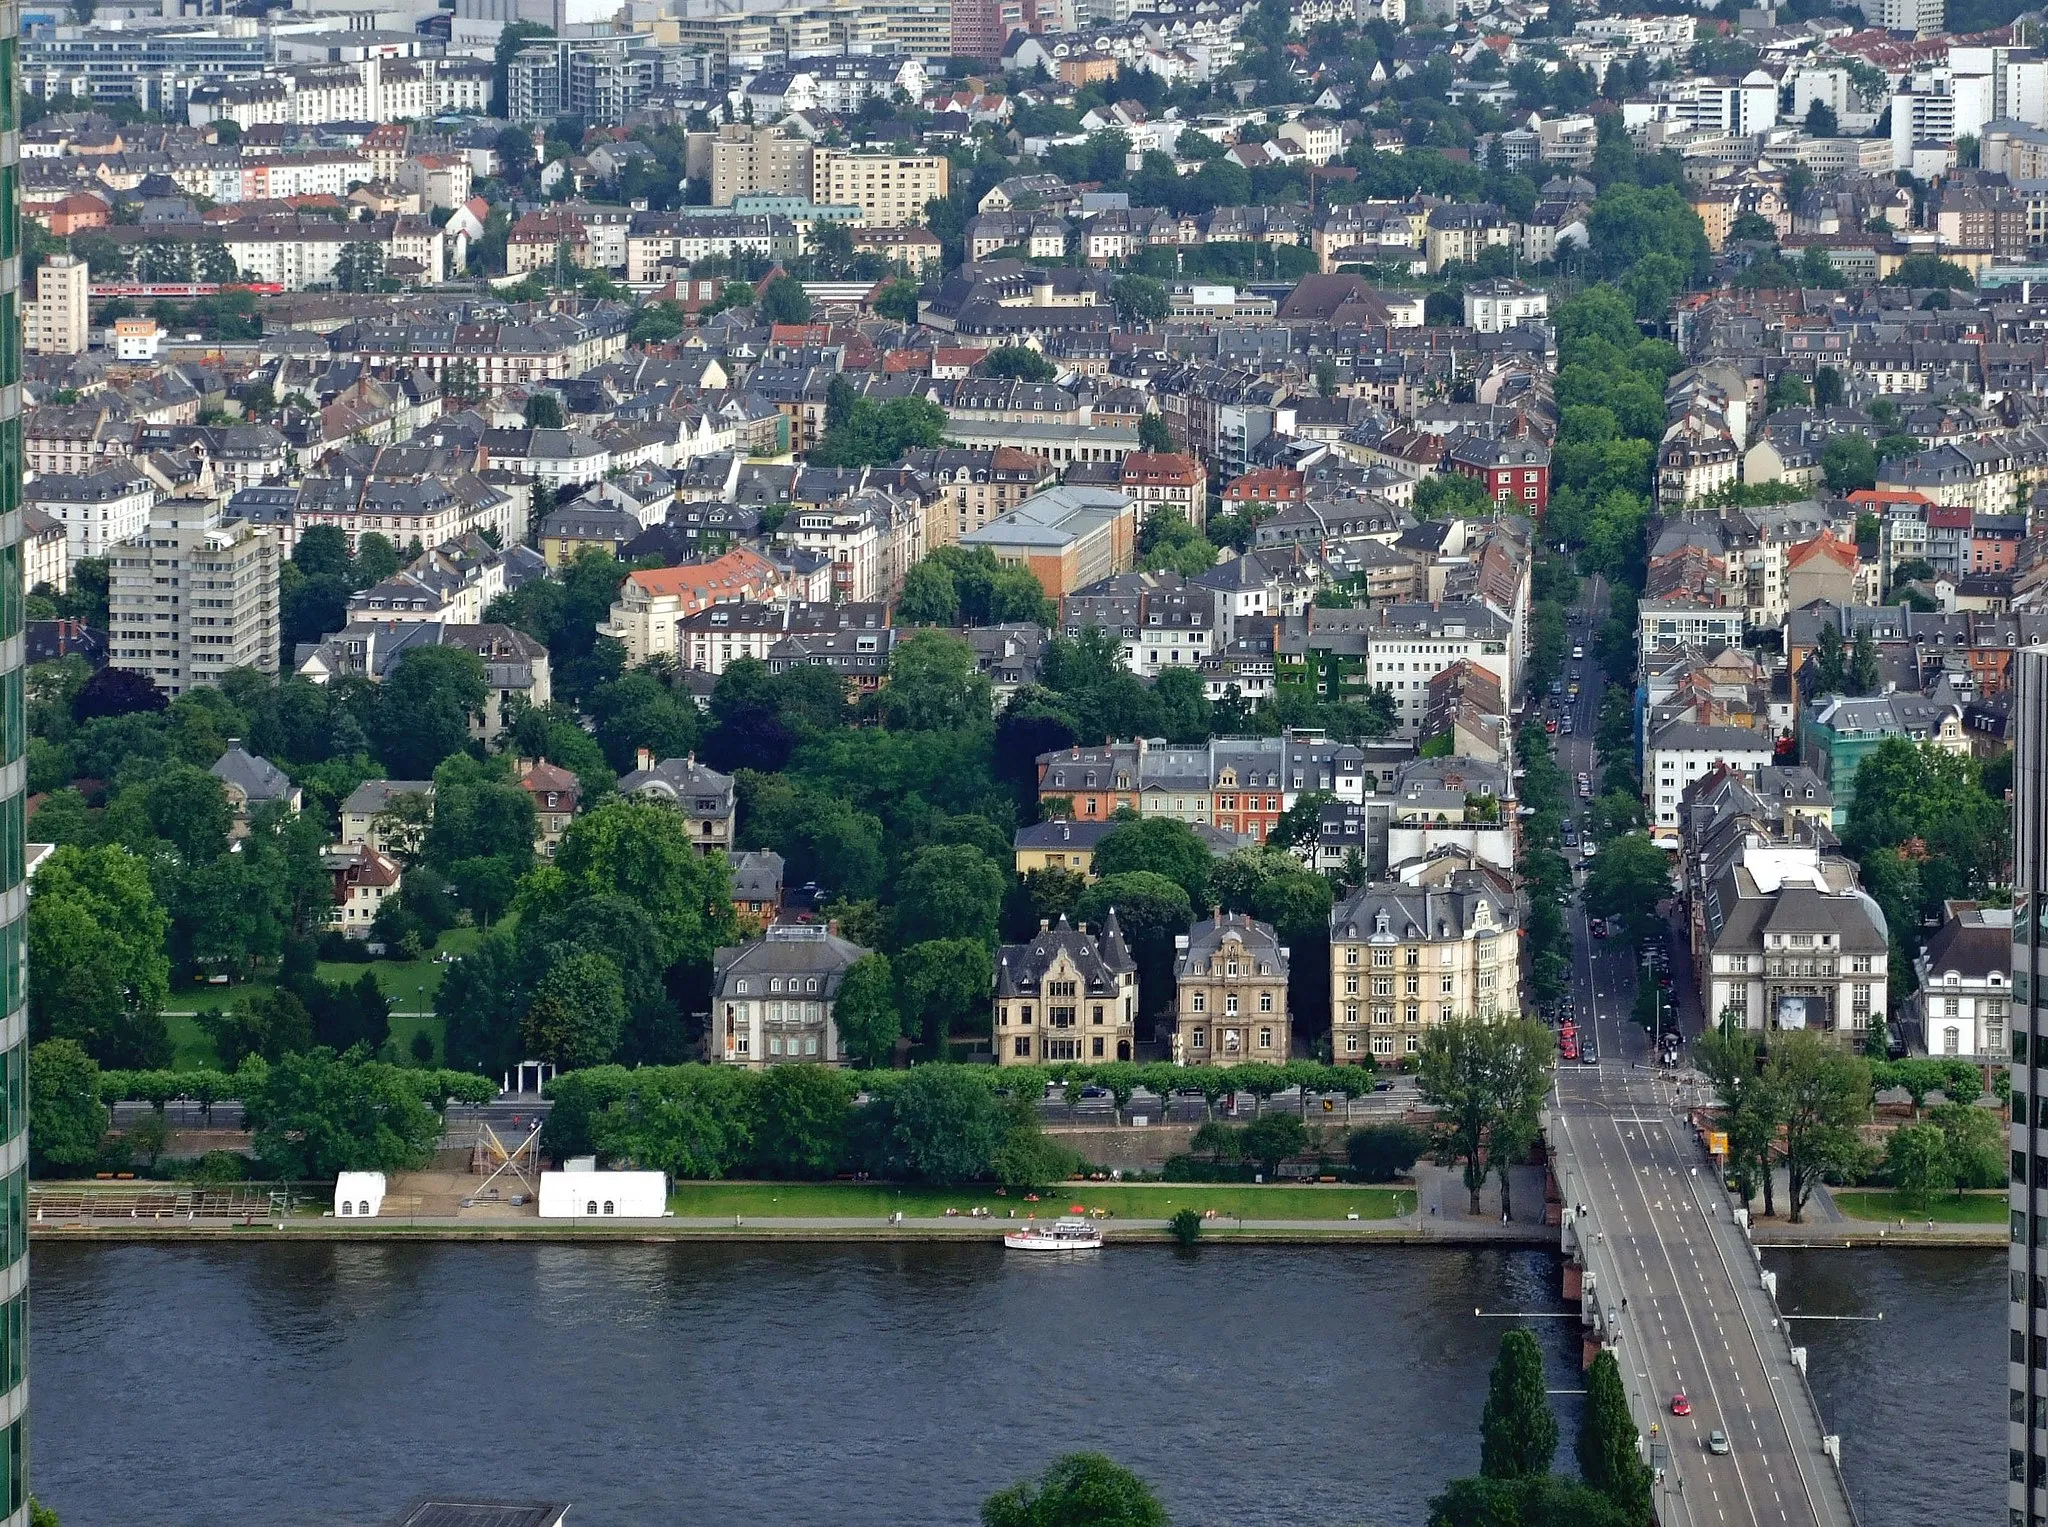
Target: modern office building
x,y
13,830
2027,1369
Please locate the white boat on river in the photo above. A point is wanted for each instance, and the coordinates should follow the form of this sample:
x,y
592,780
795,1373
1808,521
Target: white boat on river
x,y
1056,1235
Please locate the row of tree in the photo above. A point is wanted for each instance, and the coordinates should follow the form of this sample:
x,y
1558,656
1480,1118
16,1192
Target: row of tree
x,y
312,1114
1518,1443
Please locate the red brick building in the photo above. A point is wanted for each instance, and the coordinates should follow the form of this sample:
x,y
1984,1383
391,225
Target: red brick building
x,y
1515,471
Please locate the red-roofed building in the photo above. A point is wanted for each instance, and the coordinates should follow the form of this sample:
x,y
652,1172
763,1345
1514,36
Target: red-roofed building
x,y
1825,567
363,879
556,796
653,604
1162,480
1266,490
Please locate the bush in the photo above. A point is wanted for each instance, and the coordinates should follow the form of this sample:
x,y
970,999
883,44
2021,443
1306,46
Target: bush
x,y
338,948
1382,1152
1186,1226
219,1166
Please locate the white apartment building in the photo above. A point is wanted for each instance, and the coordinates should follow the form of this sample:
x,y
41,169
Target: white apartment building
x,y
1491,307
57,319
192,597
1684,750
97,509
1934,107
1732,107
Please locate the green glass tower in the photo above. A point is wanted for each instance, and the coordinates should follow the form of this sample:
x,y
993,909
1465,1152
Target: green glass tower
x,y
13,823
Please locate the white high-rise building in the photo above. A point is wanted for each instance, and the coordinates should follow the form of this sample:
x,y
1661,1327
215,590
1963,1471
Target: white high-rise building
x,y
57,318
1923,18
193,596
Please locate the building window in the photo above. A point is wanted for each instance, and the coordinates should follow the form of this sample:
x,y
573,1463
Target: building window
x,y
1265,1002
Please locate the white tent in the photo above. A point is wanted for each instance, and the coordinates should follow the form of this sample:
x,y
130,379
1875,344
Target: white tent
x,y
358,1195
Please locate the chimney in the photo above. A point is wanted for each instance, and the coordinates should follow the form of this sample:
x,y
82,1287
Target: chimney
x,y
1045,925
643,758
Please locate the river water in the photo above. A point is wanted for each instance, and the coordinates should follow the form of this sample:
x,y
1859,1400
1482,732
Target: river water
x,y
882,1385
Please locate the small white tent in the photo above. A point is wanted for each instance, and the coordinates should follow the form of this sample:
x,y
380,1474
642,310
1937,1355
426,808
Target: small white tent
x,y
358,1195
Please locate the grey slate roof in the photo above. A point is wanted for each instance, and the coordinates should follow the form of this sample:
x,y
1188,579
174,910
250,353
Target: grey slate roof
x,y
1021,967
259,780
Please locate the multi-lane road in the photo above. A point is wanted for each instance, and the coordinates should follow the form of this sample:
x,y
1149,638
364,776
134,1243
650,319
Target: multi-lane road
x,y
1672,1272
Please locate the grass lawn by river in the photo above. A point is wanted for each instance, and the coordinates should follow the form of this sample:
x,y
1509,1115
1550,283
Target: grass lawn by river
x,y
410,984
1944,1209
833,1200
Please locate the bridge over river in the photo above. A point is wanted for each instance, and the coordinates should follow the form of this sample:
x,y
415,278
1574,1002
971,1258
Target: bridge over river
x,y
1662,1263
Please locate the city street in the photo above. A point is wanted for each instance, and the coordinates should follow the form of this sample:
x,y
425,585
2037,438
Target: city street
x,y
1674,1274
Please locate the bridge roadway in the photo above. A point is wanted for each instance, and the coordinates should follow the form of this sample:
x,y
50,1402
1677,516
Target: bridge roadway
x,y
1672,1281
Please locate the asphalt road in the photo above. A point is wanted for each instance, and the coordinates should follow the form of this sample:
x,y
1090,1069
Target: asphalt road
x,y
1695,1319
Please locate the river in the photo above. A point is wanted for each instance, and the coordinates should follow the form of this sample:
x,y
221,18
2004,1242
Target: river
x,y
223,1386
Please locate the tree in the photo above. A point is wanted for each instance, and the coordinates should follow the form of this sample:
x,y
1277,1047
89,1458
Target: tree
x,y
66,1119
1151,911
1731,1058
641,851
898,301
1518,1431
1608,1457
1271,1138
802,1114
1450,496
544,411
116,692
1139,300
1926,270
940,984
1163,846
1849,462
1079,1490
1486,1079
865,1013
317,1114
1820,120
876,434
1916,1162
934,685
1628,880
939,1124
681,1120
1382,1152
1973,1145
97,969
424,709
1823,1096
360,267
784,301
578,1013
1153,434
1019,363
950,891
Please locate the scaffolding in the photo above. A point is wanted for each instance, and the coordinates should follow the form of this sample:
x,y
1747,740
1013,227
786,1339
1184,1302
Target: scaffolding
x,y
492,1155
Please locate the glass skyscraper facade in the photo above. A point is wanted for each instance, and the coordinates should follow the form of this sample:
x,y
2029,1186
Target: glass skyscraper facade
x,y
13,825
2027,1366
